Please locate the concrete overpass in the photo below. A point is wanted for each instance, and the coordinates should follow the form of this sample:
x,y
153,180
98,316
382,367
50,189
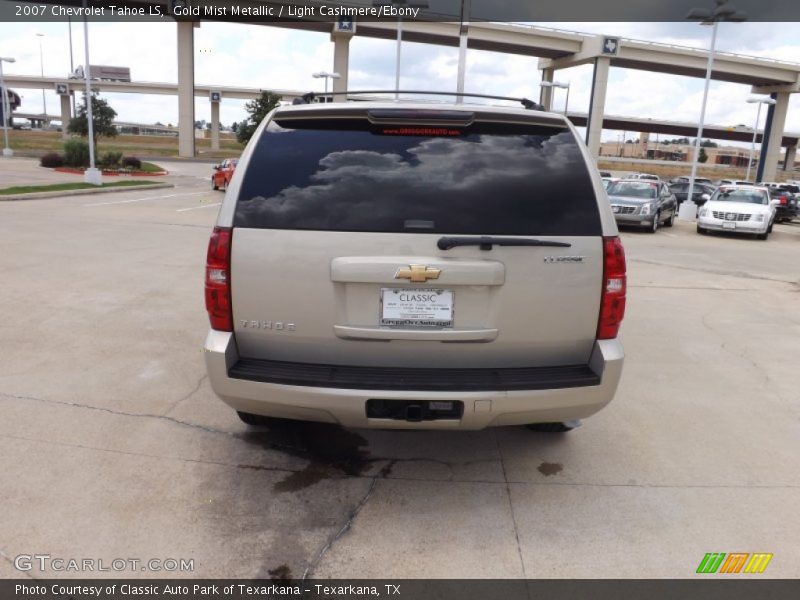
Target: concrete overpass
x,y
614,122
138,87
558,49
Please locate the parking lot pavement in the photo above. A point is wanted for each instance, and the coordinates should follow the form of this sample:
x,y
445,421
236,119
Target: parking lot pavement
x,y
115,446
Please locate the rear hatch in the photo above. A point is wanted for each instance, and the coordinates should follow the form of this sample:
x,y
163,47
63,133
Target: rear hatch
x,y
416,238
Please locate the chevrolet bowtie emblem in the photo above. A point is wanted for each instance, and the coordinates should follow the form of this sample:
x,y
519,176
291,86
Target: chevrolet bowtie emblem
x,y
417,273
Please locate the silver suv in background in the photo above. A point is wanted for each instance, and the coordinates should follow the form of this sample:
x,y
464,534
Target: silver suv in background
x,y
415,266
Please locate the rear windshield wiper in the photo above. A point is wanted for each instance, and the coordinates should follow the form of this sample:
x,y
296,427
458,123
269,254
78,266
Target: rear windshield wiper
x,y
486,242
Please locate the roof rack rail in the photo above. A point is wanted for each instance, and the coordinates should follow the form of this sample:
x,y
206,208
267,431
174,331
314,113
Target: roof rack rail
x,y
528,104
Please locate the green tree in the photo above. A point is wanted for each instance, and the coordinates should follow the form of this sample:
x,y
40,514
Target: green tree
x,y
258,109
702,157
102,120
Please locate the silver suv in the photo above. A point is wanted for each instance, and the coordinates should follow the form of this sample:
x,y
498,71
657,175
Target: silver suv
x,y
415,266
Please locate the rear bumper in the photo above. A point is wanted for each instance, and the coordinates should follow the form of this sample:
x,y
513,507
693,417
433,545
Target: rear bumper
x,y
713,224
634,220
261,387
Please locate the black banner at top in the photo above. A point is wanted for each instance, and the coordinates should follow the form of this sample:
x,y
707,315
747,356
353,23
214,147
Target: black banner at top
x,y
348,11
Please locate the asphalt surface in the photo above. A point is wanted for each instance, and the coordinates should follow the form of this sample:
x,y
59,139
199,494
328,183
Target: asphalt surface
x,y
114,445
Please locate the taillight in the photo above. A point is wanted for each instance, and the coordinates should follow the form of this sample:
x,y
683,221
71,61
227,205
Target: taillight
x,y
218,279
784,200
612,302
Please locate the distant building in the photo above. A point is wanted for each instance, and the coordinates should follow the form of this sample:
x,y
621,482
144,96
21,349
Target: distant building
x,y
648,148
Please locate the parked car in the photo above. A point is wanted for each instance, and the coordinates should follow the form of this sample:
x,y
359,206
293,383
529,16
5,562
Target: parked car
x,y
787,196
685,179
642,203
350,224
223,172
646,176
739,209
609,180
681,191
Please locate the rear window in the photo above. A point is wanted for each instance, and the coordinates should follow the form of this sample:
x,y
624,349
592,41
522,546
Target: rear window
x,y
500,179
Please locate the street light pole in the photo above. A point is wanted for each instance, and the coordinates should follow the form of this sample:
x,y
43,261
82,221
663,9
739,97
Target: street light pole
x,y
688,210
92,174
723,12
41,66
462,50
423,4
7,151
558,84
71,64
758,101
326,75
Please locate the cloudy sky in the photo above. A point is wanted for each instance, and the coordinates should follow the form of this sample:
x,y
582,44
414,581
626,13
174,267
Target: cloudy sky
x,y
265,57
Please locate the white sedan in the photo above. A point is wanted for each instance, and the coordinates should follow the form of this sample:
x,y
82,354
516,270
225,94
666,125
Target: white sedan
x,y
740,209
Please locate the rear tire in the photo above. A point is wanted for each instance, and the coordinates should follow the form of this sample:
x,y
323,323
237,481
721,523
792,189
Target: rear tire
x,y
550,427
214,185
224,186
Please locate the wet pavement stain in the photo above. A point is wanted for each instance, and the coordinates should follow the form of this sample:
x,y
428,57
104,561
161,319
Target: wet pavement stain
x,y
332,451
281,574
548,469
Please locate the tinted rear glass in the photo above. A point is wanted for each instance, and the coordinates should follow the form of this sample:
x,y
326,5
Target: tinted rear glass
x,y
483,179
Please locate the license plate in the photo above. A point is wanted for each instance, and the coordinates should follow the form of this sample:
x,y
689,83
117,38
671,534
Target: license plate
x,y
404,307
615,209
727,225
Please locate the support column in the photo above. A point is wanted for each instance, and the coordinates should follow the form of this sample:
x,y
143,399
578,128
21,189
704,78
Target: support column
x,y
791,155
773,135
546,93
341,62
66,107
215,125
597,105
185,89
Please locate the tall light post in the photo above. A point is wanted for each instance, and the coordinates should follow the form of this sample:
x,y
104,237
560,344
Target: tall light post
x,y
723,12
92,174
6,105
758,101
325,75
41,67
558,84
71,64
462,50
422,4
